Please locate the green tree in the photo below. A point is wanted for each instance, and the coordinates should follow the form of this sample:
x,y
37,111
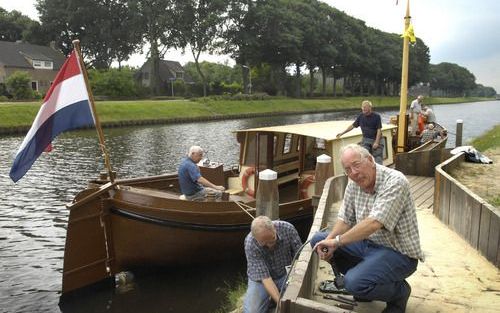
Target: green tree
x,y
156,24
451,78
102,26
18,85
199,24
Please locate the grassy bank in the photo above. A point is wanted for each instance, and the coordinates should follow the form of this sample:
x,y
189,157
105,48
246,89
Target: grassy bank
x,y
22,114
489,140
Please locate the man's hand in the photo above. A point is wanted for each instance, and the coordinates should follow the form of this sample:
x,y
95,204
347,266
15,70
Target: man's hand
x,y
221,188
325,249
375,146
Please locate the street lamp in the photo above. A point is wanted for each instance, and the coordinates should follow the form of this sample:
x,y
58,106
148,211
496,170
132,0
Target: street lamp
x,y
249,79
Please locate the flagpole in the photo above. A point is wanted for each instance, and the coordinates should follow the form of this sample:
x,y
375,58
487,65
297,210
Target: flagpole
x,y
402,131
107,163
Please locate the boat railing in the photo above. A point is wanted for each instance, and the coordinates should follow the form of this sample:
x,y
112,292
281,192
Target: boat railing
x,y
300,289
469,215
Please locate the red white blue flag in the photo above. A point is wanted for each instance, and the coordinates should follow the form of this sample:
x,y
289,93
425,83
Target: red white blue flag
x,y
66,106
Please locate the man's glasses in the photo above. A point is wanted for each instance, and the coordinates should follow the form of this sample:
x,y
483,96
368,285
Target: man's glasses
x,y
355,166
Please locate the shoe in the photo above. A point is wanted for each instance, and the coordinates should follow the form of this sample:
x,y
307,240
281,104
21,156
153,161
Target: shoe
x,y
399,305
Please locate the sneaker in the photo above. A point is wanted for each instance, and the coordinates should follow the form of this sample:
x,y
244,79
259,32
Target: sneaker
x,y
399,305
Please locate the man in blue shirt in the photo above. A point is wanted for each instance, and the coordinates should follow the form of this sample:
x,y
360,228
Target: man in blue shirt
x,y
191,182
371,127
269,248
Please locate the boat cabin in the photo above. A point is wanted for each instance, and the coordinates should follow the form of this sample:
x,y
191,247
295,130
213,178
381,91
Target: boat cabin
x,y
291,151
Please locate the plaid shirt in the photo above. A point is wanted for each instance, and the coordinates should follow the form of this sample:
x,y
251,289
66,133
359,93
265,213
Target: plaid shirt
x,y
392,205
263,262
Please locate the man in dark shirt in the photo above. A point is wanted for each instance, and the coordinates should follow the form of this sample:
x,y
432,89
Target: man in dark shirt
x,y
190,180
371,127
269,247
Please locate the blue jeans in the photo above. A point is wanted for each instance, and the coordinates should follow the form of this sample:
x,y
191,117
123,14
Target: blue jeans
x,y
372,271
257,300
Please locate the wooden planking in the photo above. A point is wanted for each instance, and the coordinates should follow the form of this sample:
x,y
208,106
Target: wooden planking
x,y
475,211
493,239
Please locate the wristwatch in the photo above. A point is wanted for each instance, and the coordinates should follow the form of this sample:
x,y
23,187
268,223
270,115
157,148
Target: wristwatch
x,y
337,241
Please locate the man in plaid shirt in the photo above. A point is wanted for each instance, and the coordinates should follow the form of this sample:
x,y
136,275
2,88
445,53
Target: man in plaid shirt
x,y
375,241
269,247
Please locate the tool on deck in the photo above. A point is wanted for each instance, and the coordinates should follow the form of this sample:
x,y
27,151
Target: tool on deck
x,y
343,303
339,278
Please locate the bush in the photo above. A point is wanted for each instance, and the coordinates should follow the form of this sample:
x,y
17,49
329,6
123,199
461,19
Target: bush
x,y
18,85
114,83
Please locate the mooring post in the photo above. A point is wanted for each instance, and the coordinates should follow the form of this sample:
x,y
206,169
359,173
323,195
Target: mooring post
x,y
267,196
323,171
458,136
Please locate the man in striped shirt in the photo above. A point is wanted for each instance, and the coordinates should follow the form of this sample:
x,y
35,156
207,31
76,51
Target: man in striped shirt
x,y
375,242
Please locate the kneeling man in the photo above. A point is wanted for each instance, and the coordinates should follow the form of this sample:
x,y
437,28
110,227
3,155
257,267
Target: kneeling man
x,y
375,242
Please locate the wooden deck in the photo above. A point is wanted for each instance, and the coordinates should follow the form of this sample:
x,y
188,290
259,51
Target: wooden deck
x,y
454,277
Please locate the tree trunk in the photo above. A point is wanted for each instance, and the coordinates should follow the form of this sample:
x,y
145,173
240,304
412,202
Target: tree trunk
x,y
297,81
334,85
323,80
311,81
155,68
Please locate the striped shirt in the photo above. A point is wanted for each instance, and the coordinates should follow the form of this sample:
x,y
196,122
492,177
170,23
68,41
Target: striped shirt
x,y
392,205
263,262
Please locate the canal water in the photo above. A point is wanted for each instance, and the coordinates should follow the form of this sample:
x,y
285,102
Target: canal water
x,y
33,215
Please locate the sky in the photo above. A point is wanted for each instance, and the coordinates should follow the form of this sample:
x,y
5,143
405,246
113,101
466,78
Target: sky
x,y
464,32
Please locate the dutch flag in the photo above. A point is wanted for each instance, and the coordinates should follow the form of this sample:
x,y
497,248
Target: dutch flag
x,y
66,106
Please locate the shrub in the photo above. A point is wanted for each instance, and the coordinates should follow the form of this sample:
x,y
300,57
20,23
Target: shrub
x,y
114,83
18,85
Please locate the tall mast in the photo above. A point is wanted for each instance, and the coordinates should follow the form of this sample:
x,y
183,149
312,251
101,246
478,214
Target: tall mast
x,y
402,130
100,134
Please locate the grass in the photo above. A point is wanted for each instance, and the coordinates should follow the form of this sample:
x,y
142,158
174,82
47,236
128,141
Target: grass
x,y
491,139
234,295
22,114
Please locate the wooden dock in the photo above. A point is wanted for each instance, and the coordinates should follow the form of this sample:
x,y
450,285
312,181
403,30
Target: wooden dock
x,y
454,277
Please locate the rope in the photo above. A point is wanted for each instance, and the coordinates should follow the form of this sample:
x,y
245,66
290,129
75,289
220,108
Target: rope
x,y
240,205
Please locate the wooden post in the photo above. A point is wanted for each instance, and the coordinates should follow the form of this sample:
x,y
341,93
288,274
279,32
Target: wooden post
x,y
267,197
458,136
324,170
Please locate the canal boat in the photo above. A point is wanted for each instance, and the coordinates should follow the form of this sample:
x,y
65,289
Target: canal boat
x,y
118,224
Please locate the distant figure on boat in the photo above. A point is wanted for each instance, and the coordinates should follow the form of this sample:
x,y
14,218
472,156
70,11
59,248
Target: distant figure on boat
x,y
371,127
415,110
375,241
191,182
429,116
428,134
269,248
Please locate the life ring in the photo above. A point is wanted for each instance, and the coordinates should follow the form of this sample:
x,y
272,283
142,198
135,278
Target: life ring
x,y
244,181
304,186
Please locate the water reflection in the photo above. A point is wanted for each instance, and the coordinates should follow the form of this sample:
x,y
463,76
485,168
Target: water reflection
x,y
33,216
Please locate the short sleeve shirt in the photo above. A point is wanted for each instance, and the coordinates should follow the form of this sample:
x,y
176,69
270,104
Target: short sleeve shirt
x,y
415,106
263,262
188,175
392,205
369,124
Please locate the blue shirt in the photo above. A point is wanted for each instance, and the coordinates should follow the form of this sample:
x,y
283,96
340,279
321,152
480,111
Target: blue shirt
x,y
189,173
263,262
369,124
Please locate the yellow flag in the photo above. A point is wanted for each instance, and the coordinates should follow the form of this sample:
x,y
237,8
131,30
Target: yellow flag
x,y
410,34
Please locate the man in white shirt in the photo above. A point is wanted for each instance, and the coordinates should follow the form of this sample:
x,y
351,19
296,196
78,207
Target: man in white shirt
x,y
415,110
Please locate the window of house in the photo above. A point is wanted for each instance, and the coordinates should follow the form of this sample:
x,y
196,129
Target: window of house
x,y
34,85
46,65
287,146
319,144
179,75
